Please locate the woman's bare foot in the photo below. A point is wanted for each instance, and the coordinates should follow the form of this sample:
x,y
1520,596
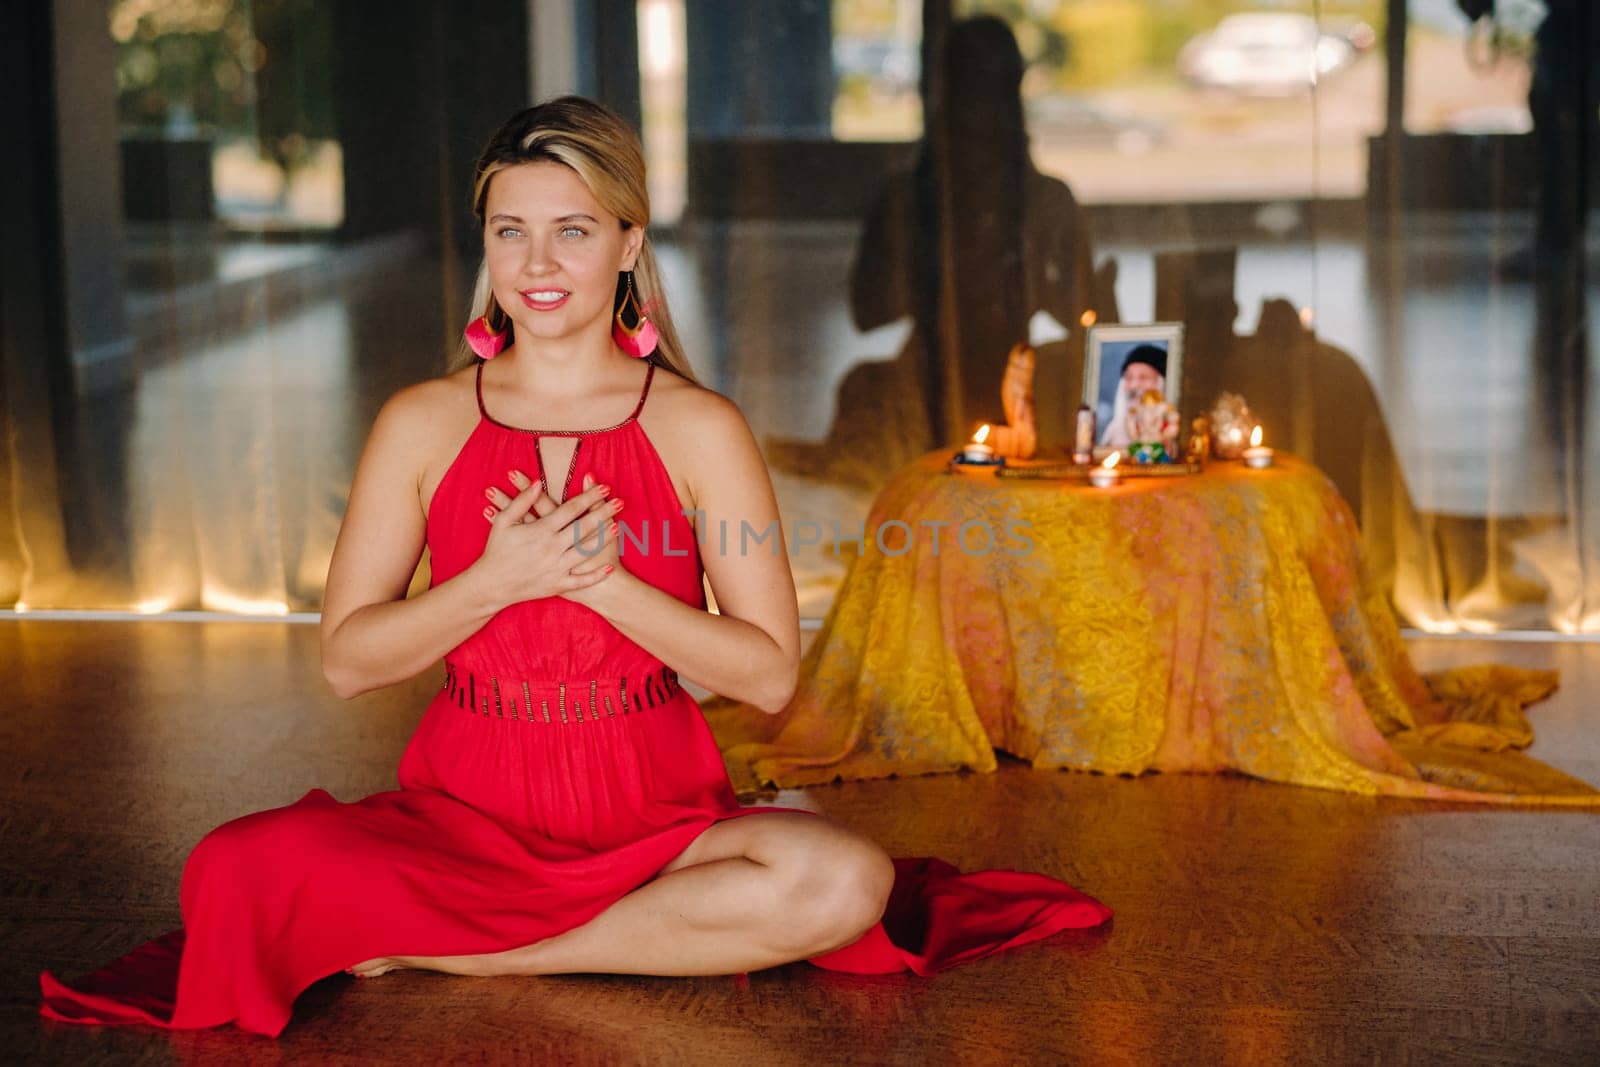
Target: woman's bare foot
x,y
484,966
373,968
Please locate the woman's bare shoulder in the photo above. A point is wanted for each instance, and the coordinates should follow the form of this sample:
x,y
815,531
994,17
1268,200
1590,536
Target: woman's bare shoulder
x,y
446,397
422,426
699,433
687,410
430,411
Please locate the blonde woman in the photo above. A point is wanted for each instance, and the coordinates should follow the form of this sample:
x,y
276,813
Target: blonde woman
x,y
562,805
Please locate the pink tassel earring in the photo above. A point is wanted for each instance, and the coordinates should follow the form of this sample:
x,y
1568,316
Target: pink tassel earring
x,y
484,339
639,339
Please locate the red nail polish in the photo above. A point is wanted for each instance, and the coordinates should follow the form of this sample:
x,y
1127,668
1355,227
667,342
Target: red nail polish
x,y
489,492
609,568
488,513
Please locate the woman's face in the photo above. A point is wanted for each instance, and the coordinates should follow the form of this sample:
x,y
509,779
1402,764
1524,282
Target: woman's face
x,y
553,253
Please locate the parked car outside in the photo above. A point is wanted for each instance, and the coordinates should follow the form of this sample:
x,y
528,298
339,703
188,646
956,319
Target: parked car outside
x,y
1266,54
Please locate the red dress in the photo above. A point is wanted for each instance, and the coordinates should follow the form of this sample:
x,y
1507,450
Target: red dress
x,y
559,767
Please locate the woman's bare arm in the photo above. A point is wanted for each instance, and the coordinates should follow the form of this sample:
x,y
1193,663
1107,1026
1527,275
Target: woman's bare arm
x,y
372,636
751,651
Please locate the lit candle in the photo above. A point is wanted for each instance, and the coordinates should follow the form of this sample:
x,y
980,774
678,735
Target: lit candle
x,y
1105,475
978,450
1257,455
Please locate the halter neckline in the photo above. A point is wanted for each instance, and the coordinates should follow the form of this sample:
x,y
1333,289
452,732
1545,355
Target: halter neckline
x,y
649,374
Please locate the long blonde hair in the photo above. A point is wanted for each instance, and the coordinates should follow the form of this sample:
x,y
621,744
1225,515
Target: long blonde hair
x,y
602,149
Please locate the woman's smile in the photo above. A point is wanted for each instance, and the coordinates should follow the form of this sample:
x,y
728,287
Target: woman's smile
x,y
544,299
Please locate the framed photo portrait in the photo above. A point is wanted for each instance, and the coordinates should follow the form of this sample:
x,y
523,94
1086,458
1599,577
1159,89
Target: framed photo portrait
x,y
1121,363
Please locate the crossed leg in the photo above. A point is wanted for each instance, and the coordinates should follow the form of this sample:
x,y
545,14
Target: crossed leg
x,y
748,893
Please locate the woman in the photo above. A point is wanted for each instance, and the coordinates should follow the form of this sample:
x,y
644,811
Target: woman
x,y
562,806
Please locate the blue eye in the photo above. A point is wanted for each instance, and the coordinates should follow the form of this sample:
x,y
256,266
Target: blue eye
x,y
505,231
574,231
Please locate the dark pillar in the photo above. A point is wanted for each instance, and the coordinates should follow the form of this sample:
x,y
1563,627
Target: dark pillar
x,y
387,104
418,92
64,343
89,179
761,70
608,56
37,378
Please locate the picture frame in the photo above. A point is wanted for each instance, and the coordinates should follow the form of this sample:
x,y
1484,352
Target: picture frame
x,y
1106,361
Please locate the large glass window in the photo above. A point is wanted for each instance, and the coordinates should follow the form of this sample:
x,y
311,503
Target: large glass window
x,y
1371,217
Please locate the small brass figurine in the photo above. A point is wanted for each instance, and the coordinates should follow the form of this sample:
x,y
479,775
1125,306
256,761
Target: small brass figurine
x,y
1199,446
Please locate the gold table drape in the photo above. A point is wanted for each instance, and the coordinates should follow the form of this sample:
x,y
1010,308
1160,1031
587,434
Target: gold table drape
x,y
1216,622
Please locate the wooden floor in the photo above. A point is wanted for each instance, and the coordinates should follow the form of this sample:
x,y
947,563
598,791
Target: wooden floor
x,y
1255,923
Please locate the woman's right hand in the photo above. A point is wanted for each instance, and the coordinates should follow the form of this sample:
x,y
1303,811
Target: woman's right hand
x,y
533,546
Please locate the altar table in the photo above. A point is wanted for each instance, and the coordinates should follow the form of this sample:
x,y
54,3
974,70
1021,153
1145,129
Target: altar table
x,y
1221,621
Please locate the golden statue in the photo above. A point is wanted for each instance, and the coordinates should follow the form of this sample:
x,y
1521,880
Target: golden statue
x,y
1019,437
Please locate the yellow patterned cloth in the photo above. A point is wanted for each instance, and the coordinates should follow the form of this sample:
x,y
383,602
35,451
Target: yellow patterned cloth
x,y
1218,622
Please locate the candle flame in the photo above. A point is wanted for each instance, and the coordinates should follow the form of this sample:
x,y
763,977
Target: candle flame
x,y
1255,437
1111,461
1089,318
982,435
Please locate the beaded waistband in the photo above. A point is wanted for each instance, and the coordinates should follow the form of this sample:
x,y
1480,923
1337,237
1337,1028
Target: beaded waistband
x,y
544,701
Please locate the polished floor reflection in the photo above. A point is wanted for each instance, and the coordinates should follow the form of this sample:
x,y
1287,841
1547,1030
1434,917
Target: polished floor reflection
x,y
1255,922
